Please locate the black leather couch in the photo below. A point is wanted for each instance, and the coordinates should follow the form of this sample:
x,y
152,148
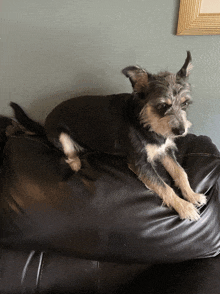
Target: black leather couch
x,y
101,230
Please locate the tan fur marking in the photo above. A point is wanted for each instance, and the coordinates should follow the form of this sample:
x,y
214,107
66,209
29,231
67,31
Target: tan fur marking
x,y
71,149
183,99
169,101
141,82
159,125
181,180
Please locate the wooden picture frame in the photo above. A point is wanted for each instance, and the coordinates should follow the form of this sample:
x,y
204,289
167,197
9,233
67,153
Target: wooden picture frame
x,y
199,17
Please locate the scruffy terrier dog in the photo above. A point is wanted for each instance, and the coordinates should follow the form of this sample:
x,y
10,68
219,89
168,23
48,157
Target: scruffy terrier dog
x,y
141,126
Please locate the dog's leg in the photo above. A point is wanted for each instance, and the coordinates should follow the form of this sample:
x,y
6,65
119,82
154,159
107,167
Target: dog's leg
x,y
71,150
181,180
155,183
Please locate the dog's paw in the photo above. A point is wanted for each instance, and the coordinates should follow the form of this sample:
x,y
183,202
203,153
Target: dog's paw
x,y
74,163
197,199
189,211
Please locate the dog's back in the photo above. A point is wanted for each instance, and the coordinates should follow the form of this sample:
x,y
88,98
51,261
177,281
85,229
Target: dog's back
x,y
98,123
94,122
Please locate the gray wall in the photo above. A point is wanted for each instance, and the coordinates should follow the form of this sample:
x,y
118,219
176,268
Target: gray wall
x,y
52,50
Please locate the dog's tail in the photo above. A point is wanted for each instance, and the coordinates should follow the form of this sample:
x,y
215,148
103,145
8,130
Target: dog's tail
x,y
27,122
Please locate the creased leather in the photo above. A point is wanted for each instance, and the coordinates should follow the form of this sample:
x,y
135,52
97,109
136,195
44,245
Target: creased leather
x,y
104,213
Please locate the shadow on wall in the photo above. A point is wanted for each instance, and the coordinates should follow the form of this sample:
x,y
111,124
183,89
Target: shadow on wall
x,y
176,15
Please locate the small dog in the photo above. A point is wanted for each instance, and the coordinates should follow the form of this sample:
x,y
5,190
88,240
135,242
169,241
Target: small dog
x,y
141,126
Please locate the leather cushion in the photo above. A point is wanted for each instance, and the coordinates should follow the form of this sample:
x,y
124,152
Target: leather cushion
x,y
105,212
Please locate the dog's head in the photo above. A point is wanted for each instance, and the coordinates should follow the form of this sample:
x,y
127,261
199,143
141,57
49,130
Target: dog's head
x,y
162,99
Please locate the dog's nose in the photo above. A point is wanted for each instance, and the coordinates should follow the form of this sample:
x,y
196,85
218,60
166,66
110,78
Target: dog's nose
x,y
178,131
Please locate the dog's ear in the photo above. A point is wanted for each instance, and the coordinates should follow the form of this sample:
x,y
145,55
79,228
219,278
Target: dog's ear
x,y
137,76
186,68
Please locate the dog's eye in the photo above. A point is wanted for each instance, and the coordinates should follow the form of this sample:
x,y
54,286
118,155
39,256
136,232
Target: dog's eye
x,y
163,107
185,104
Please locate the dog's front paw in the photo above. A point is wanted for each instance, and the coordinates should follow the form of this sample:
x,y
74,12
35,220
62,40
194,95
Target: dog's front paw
x,y
74,163
197,199
189,211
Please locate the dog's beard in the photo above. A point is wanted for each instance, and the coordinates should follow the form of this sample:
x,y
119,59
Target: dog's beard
x,y
163,125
